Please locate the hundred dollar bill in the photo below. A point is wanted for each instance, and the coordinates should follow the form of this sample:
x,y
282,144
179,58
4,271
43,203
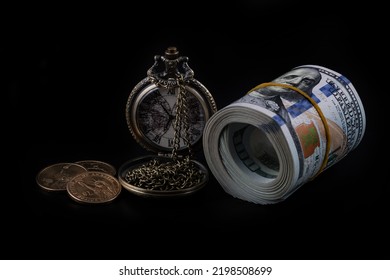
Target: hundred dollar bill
x,y
282,134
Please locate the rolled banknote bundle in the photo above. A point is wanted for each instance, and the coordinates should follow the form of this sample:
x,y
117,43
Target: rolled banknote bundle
x,y
265,145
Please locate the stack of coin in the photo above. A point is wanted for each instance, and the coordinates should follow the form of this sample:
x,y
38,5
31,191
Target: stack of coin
x,y
87,181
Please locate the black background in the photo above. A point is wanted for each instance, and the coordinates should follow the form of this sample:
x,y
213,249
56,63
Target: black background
x,y
69,69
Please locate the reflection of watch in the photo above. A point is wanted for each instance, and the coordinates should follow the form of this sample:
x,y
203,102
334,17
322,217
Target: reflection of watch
x,y
151,106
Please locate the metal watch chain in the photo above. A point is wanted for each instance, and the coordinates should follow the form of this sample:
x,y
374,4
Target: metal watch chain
x,y
179,172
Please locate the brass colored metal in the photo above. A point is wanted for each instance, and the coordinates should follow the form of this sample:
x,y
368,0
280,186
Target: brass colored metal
x,y
55,177
166,113
93,187
149,176
96,165
152,105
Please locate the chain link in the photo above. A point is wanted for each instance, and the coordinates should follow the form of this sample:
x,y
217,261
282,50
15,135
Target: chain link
x,y
181,119
157,175
179,172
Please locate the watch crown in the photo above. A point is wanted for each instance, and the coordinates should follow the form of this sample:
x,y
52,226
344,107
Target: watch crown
x,y
171,53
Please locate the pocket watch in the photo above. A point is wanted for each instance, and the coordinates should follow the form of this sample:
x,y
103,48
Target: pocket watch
x,y
152,105
166,113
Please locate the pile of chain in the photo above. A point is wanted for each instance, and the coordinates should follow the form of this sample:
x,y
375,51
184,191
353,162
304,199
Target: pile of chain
x,y
165,176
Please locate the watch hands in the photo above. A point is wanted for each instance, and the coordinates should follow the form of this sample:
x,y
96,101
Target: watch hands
x,y
168,111
171,117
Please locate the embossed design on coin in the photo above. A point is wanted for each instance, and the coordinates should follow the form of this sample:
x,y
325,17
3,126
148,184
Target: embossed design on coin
x,y
96,165
94,187
55,177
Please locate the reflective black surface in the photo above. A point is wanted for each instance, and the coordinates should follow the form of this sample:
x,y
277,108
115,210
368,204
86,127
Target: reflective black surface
x,y
69,71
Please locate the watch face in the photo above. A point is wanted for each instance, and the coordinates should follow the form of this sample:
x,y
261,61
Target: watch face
x,y
153,113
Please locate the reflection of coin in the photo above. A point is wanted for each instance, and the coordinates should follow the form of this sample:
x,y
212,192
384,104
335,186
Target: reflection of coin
x,y
95,165
94,187
56,176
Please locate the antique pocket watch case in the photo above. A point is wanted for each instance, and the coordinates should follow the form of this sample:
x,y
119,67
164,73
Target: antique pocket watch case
x,y
166,113
156,190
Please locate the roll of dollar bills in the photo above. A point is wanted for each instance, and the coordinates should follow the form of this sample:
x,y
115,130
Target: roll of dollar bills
x,y
265,145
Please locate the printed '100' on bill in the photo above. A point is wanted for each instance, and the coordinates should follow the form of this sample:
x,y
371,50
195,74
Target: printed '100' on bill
x,y
281,134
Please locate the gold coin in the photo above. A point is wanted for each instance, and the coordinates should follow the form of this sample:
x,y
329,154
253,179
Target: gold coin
x,y
55,177
96,165
94,187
